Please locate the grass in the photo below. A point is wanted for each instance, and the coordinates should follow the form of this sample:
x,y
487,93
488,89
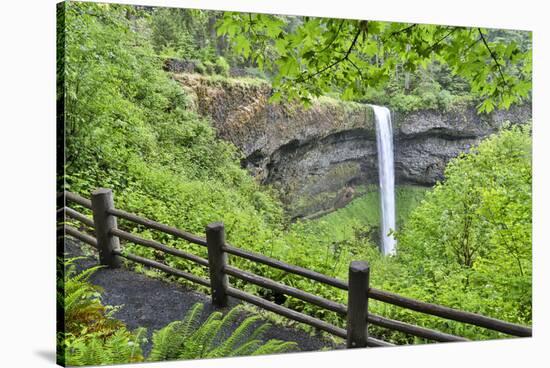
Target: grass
x,y
365,211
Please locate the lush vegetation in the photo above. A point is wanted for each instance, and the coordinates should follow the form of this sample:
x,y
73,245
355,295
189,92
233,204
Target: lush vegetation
x,y
129,128
363,213
93,337
314,56
468,243
480,220
189,339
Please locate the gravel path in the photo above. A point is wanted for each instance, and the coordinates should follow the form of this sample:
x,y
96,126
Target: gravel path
x,y
153,303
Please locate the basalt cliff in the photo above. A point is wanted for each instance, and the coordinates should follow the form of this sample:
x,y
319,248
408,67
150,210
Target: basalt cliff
x,y
312,154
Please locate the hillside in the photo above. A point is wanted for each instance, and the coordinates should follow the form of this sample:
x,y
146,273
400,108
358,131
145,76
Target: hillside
x,y
207,142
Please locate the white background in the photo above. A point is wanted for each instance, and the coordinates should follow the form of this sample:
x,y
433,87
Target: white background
x,y
27,180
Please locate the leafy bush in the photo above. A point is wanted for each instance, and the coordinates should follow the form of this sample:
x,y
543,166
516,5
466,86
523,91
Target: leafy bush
x,y
181,33
188,339
199,66
209,67
90,336
222,66
81,302
468,244
119,348
431,88
128,127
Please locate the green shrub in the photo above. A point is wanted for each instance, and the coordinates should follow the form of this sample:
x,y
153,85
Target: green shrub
x,y
222,66
468,245
209,67
189,339
199,66
90,336
122,347
81,302
406,103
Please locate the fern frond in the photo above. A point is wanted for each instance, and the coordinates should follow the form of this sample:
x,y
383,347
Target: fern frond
x,y
238,336
209,340
196,344
139,337
260,331
275,347
166,342
245,349
192,319
224,329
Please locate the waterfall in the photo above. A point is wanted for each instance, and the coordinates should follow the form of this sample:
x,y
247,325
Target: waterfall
x,y
384,142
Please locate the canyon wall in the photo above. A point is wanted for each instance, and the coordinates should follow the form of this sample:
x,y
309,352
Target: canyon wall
x,y
312,154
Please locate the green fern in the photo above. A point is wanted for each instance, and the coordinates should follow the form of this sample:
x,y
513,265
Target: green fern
x,y
211,339
91,335
121,347
80,300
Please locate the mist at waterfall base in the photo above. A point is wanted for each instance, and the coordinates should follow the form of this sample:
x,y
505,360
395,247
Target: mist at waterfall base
x,y
384,143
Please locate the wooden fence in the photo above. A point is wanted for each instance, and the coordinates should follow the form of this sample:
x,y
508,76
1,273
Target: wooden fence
x,y
107,243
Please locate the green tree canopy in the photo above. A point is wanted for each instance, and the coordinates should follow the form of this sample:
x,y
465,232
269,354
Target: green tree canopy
x,y
313,56
471,236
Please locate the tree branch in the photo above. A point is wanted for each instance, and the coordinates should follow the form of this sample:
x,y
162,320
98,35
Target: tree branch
x,y
334,38
429,49
327,67
471,45
357,68
492,55
402,30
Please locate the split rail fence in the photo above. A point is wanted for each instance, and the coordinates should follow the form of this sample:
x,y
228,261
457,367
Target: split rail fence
x,y
107,242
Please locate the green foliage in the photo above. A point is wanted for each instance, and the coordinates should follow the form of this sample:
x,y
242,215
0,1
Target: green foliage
x,y
321,55
189,339
365,211
183,33
468,244
162,161
90,336
93,337
81,301
222,66
122,347
433,87
129,128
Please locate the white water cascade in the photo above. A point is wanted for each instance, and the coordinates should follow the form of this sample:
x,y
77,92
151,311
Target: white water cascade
x,y
384,143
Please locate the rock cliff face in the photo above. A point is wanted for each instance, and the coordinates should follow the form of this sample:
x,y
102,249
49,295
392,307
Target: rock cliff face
x,y
312,154
426,140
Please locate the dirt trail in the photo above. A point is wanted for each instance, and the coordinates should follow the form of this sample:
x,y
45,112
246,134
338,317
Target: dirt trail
x,y
153,303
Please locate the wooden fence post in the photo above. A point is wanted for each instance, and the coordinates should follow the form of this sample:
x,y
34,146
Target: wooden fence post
x,y
102,200
217,260
358,304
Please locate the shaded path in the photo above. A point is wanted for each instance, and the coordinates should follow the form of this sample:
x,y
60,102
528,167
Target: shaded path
x,y
153,303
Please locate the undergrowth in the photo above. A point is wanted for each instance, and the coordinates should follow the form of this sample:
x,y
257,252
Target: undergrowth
x,y
128,127
92,336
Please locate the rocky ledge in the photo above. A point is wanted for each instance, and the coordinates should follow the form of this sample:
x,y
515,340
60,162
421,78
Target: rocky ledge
x,y
312,154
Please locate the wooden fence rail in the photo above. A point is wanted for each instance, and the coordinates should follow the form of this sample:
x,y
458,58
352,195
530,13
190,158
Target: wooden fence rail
x,y
359,292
